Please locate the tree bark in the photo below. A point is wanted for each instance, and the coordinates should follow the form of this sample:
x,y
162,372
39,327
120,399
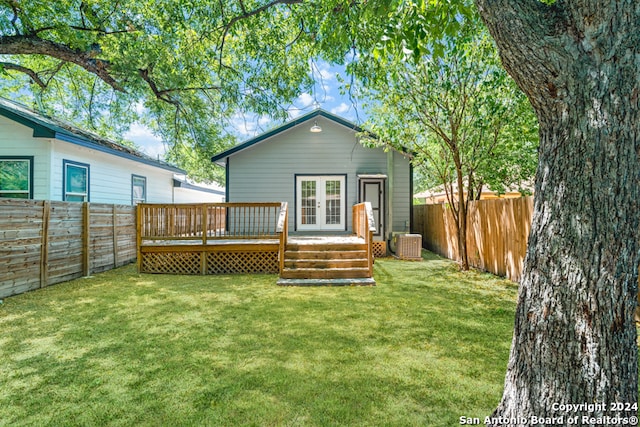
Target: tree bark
x,y
575,336
462,213
34,45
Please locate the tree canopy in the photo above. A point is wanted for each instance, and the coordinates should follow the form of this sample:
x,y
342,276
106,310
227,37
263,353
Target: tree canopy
x,y
187,65
466,123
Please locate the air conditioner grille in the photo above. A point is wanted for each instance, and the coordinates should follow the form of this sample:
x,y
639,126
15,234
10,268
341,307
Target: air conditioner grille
x,y
410,246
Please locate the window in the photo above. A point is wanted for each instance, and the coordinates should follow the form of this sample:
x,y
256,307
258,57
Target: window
x,y
76,182
16,177
138,189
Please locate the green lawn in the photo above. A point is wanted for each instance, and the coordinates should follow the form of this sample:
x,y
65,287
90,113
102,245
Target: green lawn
x,y
423,348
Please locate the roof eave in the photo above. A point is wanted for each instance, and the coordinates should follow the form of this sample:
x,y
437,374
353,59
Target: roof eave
x,y
87,143
46,130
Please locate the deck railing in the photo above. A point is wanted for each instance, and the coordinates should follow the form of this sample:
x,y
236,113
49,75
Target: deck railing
x,y
211,238
208,221
364,226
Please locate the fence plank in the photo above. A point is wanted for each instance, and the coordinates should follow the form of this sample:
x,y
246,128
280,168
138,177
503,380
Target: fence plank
x,y
44,243
114,223
44,246
497,233
86,236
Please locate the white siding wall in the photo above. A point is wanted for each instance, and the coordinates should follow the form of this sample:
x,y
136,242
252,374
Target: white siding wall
x,y
402,199
110,175
187,195
266,171
17,140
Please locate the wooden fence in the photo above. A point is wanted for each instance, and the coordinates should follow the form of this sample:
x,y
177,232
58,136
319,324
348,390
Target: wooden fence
x,y
45,242
497,233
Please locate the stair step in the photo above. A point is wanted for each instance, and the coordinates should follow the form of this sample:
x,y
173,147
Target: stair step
x,y
337,247
319,254
327,282
325,263
324,273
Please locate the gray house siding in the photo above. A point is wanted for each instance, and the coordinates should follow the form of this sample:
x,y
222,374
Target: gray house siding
x,y
267,171
402,195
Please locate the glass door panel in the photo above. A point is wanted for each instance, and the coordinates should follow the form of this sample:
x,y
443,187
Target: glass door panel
x,y
309,197
320,203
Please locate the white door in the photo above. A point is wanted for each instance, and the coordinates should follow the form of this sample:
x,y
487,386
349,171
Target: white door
x,y
320,203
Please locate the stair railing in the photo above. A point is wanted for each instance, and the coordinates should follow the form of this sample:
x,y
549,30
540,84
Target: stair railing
x,y
282,229
364,226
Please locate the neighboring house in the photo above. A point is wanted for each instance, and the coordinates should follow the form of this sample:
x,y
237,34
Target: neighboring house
x,y
46,159
189,192
438,195
317,164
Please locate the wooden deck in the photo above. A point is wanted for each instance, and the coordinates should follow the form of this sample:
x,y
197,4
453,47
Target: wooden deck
x,y
200,239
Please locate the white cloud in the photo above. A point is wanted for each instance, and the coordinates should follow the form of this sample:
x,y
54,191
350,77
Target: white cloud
x,y
249,125
340,109
140,108
327,75
305,100
146,141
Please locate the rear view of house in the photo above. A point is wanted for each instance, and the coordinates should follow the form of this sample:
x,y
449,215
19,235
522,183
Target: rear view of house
x,y
317,164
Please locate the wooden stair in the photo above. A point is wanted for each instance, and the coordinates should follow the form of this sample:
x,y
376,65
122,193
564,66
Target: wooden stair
x,y
326,264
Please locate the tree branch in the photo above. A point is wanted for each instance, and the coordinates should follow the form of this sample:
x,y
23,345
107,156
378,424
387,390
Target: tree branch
x,y
257,11
28,71
33,45
15,8
160,94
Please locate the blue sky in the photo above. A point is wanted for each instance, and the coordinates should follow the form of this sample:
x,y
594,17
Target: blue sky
x,y
326,95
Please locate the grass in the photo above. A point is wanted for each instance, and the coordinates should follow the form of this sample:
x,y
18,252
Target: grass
x,y
426,346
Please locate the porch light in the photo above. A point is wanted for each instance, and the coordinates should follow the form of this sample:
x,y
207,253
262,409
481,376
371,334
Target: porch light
x,y
315,128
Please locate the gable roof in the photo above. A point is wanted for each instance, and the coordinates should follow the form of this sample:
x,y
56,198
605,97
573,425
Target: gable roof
x,y
48,127
219,158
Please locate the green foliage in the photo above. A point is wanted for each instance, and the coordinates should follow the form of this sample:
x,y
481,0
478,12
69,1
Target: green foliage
x,y
188,66
14,175
457,111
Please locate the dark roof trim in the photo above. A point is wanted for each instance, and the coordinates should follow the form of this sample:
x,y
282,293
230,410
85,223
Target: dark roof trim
x,y
73,139
39,131
45,127
219,158
182,184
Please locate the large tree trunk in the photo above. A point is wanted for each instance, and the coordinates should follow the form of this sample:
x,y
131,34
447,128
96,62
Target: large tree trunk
x,y
575,335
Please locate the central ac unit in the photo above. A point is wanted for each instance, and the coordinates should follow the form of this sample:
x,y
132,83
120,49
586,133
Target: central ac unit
x,y
409,246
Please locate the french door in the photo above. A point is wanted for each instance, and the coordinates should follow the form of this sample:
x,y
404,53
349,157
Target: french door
x,y
320,203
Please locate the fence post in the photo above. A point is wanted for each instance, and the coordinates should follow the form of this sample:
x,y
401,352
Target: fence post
x,y
86,239
115,236
139,236
205,229
44,245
